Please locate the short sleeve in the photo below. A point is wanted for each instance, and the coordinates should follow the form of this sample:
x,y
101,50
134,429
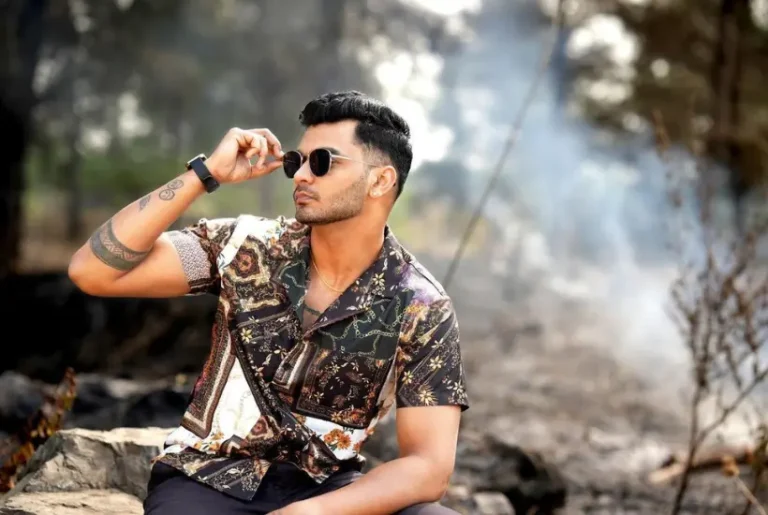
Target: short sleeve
x,y
199,246
429,368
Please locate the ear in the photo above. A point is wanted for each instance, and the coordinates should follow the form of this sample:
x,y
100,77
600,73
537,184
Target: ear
x,y
382,181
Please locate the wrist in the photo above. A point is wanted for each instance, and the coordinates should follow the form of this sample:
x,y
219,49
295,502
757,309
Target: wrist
x,y
214,166
200,168
190,177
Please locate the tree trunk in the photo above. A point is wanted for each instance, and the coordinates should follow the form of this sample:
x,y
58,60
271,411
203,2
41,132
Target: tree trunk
x,y
726,76
11,187
71,171
333,24
16,103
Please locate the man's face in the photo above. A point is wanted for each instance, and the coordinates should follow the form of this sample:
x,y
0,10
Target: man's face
x,y
341,193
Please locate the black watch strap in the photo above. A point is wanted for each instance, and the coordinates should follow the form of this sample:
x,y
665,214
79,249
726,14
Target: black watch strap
x,y
197,164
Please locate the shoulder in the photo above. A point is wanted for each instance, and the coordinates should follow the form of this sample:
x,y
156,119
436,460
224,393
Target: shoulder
x,y
265,230
280,234
428,306
420,283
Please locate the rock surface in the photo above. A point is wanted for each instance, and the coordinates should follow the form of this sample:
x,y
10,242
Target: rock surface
x,y
79,470
492,503
84,502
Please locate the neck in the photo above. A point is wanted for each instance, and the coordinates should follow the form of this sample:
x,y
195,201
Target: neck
x,y
344,250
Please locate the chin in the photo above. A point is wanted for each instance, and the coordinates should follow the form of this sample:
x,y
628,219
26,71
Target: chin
x,y
307,217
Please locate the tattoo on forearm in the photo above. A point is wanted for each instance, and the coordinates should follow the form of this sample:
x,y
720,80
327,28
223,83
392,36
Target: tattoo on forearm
x,y
168,192
111,252
144,201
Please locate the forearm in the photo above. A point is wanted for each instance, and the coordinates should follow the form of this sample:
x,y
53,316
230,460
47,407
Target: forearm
x,y
386,489
126,239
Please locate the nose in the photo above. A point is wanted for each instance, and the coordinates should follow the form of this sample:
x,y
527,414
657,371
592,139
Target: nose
x,y
304,174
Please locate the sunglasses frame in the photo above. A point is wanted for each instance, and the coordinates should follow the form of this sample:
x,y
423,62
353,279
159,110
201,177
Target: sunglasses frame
x,y
330,156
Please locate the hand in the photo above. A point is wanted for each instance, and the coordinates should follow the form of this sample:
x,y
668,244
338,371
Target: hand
x,y
230,162
299,508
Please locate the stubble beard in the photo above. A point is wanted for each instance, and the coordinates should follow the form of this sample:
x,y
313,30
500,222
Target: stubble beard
x,y
346,204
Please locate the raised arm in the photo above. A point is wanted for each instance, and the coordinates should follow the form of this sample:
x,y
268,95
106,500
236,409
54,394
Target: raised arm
x,y
131,255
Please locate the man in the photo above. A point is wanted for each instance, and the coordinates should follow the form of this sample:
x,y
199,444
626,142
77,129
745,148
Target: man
x,y
323,323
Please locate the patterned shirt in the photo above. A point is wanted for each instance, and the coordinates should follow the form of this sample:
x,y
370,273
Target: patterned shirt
x,y
271,391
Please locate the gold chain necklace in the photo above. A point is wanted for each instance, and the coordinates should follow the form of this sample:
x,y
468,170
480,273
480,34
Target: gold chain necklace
x,y
320,276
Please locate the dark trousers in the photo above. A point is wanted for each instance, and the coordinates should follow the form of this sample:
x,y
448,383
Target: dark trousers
x,y
172,493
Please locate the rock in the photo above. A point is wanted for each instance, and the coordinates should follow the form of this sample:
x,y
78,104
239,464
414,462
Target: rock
x,y
459,499
526,478
463,500
459,492
102,502
79,459
492,503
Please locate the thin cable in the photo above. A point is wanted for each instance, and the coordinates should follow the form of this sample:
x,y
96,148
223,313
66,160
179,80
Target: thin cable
x,y
509,144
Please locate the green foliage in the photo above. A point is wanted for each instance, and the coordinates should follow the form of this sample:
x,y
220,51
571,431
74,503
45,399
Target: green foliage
x,y
164,80
120,181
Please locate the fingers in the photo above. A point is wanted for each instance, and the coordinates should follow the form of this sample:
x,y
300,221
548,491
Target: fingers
x,y
251,144
246,136
275,147
259,143
258,148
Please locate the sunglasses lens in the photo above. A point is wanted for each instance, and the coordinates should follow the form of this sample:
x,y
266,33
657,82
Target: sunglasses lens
x,y
320,161
291,163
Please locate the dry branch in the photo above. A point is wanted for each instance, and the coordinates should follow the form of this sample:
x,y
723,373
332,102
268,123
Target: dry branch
x,y
705,461
16,450
720,305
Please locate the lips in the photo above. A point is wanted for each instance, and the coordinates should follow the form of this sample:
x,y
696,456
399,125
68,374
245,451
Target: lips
x,y
301,196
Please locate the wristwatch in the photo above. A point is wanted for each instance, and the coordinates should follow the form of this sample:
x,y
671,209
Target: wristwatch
x,y
197,164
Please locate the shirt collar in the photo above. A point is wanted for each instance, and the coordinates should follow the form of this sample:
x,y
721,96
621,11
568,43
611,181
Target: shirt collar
x,y
380,280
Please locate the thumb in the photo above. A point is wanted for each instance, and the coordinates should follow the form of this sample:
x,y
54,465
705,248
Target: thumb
x,y
267,168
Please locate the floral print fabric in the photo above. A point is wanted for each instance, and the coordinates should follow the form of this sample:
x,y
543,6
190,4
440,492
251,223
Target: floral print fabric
x,y
271,391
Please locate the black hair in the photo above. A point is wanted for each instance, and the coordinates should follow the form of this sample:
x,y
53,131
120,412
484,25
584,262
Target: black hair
x,y
380,129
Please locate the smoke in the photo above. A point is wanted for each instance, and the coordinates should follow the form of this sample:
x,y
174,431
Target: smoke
x,y
582,214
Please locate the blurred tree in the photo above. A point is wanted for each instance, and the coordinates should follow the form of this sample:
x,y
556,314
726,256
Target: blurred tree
x,y
24,26
116,95
696,66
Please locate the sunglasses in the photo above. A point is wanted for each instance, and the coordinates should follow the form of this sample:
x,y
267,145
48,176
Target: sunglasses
x,y
320,161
